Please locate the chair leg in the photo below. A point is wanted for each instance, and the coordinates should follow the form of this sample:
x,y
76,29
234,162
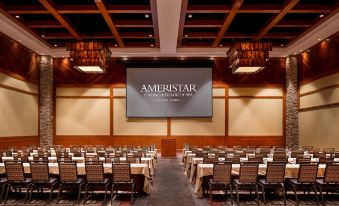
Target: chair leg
x,y
263,194
321,195
257,194
79,193
50,194
8,187
112,193
296,196
211,195
284,193
60,191
132,193
30,194
2,191
316,195
28,188
231,194
106,186
86,190
237,193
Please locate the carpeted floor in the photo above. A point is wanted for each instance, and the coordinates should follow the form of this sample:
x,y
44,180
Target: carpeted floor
x,y
170,187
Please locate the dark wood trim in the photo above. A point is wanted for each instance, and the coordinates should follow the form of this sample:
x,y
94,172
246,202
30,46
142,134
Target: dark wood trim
x,y
318,90
256,97
49,5
236,4
226,109
102,8
17,90
255,86
325,106
169,126
17,76
334,12
83,85
111,109
83,97
302,83
18,141
273,21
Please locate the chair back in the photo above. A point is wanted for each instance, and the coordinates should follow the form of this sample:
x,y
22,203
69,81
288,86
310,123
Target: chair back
x,y
68,172
39,172
91,158
133,159
308,172
257,158
209,160
248,172
121,172
94,171
222,172
332,173
275,172
14,171
112,159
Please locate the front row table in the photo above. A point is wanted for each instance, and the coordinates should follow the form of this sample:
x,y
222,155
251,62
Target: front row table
x,y
292,171
136,169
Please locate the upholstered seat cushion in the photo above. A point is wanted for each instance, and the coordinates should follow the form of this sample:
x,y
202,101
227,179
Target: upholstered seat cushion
x,y
3,180
263,182
295,182
217,184
79,181
321,182
106,180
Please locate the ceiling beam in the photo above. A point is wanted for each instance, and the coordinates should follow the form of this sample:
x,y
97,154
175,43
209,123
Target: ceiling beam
x,y
184,4
262,8
273,21
78,9
309,30
228,20
50,6
102,8
155,22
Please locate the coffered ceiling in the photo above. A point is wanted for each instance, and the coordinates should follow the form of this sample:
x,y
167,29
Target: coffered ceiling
x,y
172,27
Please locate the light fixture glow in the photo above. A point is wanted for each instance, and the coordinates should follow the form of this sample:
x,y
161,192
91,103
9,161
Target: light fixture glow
x,y
242,70
146,15
17,16
150,35
190,16
321,15
221,45
55,45
186,35
90,69
152,45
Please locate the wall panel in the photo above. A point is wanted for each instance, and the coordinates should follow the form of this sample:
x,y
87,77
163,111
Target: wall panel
x,y
252,91
255,117
319,128
18,114
82,116
324,97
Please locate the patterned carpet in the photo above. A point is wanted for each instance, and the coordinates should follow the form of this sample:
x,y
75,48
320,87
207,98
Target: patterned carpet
x,y
169,188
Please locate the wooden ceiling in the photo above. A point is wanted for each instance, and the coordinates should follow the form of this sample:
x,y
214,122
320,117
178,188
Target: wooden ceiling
x,y
203,23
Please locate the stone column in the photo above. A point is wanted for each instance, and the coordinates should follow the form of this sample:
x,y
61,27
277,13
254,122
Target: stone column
x,y
46,101
292,129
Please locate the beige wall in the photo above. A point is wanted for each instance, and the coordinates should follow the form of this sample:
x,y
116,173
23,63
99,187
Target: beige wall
x,y
260,113
318,123
18,110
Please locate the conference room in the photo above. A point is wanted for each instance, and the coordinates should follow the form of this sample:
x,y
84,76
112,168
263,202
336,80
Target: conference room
x,y
158,102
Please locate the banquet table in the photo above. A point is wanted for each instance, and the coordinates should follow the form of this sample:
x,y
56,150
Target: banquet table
x,y
136,169
203,170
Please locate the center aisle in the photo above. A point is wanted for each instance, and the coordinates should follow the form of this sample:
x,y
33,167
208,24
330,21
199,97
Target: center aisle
x,y
170,187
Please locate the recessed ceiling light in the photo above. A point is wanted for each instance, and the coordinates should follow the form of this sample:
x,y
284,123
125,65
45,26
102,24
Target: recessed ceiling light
x,y
43,35
319,39
186,35
125,58
328,39
221,45
211,58
182,58
150,35
308,50
71,59
17,16
295,53
321,15
155,58
115,45
55,45
282,45
146,15
19,40
301,50
152,45
190,16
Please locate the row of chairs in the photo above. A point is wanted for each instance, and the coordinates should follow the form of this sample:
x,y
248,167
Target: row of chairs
x,y
68,178
275,179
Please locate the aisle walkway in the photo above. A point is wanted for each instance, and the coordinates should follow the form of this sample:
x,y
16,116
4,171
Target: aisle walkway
x,y
170,186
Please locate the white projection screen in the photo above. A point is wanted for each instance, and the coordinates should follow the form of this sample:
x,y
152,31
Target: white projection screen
x,y
169,92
